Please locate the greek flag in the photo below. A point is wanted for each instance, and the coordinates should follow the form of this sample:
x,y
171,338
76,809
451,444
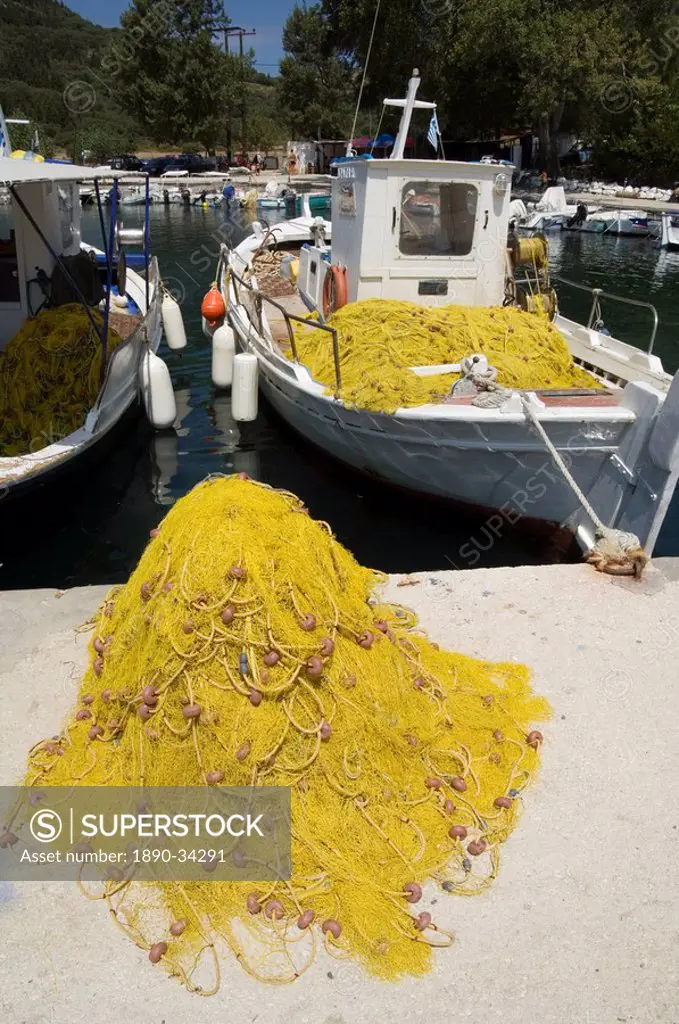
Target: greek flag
x,y
434,133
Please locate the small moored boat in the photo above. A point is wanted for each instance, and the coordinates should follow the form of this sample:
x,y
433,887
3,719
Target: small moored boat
x,y
670,231
59,295
626,223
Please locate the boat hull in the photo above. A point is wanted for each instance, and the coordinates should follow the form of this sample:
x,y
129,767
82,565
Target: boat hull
x,y
499,466
588,227
670,232
518,479
493,458
628,229
21,476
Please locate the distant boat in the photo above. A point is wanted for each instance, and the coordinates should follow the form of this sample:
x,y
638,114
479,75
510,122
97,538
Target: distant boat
x,y
585,221
630,223
670,231
551,213
277,196
313,203
135,197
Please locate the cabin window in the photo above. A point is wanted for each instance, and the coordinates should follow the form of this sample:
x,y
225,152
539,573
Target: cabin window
x,y
437,219
9,263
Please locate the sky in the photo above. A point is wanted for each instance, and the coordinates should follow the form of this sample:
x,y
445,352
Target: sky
x,y
266,16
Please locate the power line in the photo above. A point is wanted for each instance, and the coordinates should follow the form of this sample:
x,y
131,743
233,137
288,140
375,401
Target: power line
x,y
236,30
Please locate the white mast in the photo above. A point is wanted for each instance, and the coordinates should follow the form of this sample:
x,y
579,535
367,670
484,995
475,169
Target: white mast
x,y
409,104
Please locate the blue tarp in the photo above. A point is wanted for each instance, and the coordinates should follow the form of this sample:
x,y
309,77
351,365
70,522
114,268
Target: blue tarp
x,y
348,159
382,141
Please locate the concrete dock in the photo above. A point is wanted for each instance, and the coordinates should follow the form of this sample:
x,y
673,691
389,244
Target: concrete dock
x,y
582,926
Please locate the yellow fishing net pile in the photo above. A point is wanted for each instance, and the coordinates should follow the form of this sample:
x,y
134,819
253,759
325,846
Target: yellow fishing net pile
x,y
407,763
380,339
50,375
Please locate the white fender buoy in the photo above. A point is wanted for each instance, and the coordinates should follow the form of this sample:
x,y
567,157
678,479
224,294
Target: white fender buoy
x,y
244,392
223,350
173,323
157,391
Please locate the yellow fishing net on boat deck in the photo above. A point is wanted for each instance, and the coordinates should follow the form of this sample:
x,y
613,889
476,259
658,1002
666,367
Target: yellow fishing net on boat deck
x,y
50,375
407,763
380,339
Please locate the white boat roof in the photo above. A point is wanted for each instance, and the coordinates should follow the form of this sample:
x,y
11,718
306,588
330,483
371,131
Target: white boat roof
x,y
20,172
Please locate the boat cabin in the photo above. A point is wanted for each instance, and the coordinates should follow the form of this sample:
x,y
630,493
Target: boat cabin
x,y
26,262
433,232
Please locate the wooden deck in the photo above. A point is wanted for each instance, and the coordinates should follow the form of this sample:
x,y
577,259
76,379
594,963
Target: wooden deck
x,y
292,304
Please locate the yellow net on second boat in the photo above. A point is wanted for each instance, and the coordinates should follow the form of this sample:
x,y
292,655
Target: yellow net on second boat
x,y
407,763
50,376
380,340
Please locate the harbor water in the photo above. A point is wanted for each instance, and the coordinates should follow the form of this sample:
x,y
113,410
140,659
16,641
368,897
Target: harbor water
x,y
92,528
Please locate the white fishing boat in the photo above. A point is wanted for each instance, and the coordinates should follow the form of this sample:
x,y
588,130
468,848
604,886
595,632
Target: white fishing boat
x,y
551,213
628,223
580,461
277,196
669,238
135,196
44,265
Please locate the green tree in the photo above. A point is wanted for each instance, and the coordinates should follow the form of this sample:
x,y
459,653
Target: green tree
x,y
553,65
316,86
170,70
102,141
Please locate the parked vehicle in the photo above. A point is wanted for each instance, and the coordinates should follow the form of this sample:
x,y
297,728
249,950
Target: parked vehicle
x,y
194,163
155,167
125,163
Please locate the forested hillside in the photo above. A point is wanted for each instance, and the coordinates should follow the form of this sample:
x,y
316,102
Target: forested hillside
x,y
44,48
62,72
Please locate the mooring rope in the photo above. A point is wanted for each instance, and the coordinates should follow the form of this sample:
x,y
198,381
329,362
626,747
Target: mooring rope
x,y
615,551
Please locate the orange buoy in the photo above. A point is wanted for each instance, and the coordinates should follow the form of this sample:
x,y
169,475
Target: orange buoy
x,y
213,306
335,293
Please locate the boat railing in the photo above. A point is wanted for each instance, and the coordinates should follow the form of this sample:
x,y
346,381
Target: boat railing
x,y
595,310
259,298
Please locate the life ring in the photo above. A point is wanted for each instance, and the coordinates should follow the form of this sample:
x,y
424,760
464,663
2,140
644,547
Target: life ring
x,y
334,290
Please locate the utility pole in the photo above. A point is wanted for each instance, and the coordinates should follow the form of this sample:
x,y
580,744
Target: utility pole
x,y
236,30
